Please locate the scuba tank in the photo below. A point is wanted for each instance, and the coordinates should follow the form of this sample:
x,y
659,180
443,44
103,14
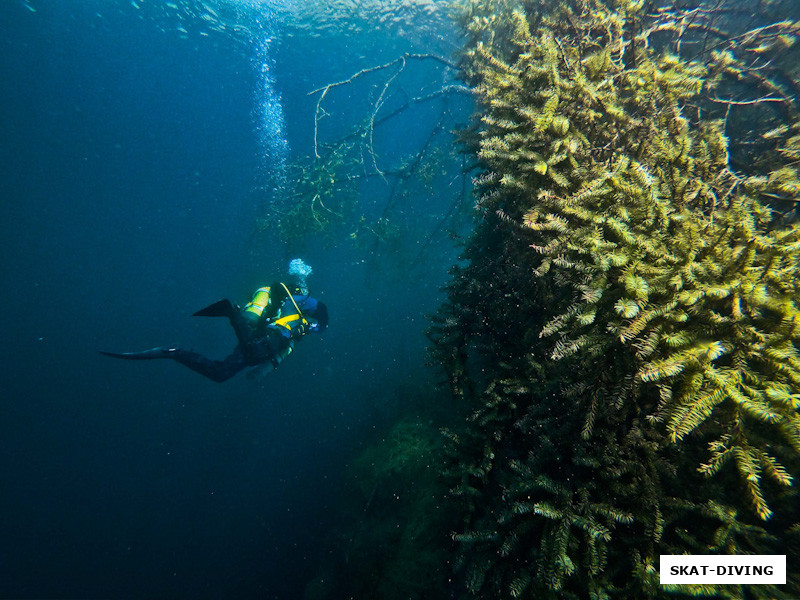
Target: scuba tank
x,y
298,271
259,302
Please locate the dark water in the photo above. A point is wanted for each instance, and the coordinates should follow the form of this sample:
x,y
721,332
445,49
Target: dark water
x,y
132,155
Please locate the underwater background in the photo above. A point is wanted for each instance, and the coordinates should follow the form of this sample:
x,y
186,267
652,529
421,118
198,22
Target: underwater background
x,y
140,141
560,248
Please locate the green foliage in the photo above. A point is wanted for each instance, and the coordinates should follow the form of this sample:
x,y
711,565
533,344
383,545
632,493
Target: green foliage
x,y
323,194
627,324
394,542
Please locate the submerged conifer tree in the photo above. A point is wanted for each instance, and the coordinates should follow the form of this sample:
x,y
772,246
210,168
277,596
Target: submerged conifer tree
x,y
626,325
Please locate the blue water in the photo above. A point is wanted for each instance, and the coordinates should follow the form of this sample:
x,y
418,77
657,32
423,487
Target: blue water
x,y
138,146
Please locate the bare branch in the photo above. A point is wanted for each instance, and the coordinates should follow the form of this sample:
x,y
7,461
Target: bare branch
x,y
327,88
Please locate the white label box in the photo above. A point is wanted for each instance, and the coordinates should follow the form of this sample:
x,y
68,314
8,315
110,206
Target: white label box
x,y
717,568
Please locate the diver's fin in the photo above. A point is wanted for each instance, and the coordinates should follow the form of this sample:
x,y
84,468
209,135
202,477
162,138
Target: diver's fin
x,y
143,355
221,308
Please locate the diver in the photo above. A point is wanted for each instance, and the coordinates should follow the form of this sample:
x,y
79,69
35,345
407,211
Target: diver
x,y
267,328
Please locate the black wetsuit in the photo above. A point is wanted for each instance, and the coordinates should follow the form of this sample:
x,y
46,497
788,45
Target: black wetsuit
x,y
262,339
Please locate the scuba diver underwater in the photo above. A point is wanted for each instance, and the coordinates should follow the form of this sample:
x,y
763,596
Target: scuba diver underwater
x,y
267,328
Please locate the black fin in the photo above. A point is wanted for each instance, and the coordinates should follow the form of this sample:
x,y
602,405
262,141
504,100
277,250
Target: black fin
x,y
221,308
143,355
